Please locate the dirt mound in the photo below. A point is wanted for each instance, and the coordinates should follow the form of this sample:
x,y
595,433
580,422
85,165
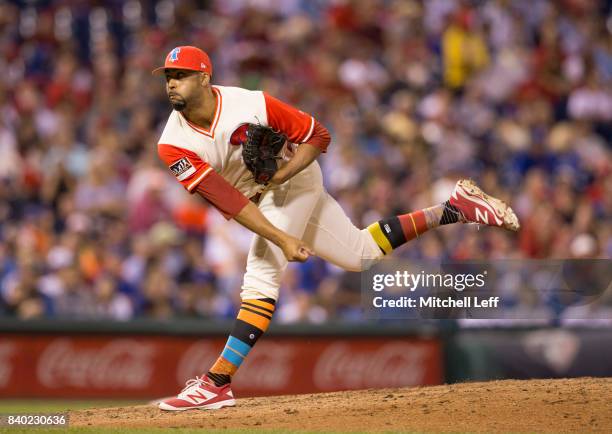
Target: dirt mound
x,y
566,405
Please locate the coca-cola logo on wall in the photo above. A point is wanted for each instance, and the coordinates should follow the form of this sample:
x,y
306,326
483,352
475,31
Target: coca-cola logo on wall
x,y
391,365
196,360
120,364
6,368
143,366
267,368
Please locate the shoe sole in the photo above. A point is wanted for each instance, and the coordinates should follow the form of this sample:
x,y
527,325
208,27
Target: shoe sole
x,y
500,208
215,406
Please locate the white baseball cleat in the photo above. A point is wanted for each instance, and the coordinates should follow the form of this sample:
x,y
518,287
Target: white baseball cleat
x,y
200,393
475,206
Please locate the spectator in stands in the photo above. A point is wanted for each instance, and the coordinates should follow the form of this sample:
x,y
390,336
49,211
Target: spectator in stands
x,y
415,94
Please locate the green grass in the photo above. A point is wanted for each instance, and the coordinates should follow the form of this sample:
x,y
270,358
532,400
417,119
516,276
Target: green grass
x,y
57,406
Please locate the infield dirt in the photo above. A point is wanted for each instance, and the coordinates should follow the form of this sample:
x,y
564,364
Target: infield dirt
x,y
560,405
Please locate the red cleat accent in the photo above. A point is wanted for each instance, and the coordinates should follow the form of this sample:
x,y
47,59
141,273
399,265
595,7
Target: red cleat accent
x,y
200,393
475,206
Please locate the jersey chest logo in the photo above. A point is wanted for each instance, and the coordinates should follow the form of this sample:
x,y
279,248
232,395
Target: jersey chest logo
x,y
182,169
239,136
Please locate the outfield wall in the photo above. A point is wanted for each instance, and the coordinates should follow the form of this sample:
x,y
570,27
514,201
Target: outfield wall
x,y
480,355
151,359
142,360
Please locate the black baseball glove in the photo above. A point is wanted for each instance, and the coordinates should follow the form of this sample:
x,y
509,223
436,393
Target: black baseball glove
x,y
260,151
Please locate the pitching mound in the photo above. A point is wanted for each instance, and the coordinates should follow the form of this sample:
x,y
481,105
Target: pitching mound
x,y
574,405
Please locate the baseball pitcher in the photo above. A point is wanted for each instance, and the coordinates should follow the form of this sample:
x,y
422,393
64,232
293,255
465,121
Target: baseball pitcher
x,y
226,145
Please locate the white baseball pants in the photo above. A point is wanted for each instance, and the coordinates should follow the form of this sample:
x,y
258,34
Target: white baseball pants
x,y
301,207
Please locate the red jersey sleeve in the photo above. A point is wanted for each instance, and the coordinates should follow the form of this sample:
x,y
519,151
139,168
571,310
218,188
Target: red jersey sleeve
x,y
188,168
297,125
198,176
320,137
300,127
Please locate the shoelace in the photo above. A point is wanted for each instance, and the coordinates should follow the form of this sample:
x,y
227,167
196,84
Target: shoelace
x,y
462,218
197,381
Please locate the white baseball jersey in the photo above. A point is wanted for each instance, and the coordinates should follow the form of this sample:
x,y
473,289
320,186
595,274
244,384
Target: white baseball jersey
x,y
195,155
209,161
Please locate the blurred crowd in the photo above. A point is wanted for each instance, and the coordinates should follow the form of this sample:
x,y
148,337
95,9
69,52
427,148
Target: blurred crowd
x,y
515,94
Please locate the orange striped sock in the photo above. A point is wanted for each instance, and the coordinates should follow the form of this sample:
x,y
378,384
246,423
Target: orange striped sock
x,y
253,320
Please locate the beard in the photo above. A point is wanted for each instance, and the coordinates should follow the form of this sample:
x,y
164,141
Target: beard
x,y
179,106
178,103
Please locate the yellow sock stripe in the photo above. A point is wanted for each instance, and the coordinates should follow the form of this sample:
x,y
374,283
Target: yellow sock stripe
x,y
256,309
414,225
379,237
254,319
260,303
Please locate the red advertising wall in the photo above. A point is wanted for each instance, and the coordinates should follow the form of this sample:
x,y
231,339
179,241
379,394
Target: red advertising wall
x,y
152,366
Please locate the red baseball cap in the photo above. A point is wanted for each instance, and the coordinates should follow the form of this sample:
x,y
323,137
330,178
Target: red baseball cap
x,y
187,57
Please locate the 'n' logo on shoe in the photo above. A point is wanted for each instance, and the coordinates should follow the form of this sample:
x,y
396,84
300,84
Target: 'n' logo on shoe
x,y
480,216
200,396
